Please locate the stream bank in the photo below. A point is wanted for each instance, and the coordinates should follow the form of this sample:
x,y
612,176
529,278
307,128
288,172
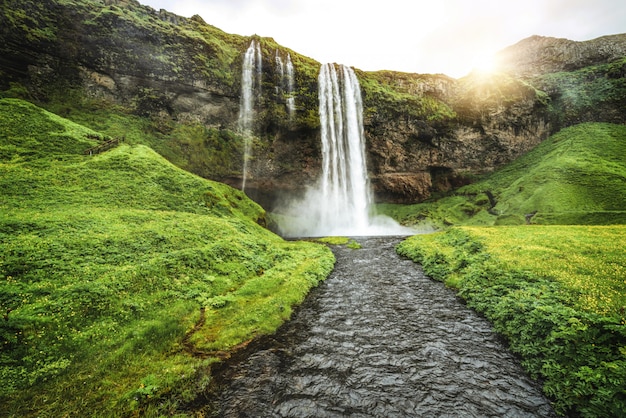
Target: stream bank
x,y
379,339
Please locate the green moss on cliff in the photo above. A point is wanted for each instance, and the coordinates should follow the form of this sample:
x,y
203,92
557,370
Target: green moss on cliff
x,y
480,94
388,95
30,18
587,94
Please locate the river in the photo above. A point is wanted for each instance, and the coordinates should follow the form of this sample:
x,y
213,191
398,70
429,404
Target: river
x,y
380,339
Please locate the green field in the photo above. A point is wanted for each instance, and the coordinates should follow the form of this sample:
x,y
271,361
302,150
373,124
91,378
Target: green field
x,y
122,277
557,293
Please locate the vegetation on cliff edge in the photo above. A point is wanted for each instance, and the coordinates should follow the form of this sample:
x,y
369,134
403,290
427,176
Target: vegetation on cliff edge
x,y
587,93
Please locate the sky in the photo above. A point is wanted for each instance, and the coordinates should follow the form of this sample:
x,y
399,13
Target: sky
x,y
452,37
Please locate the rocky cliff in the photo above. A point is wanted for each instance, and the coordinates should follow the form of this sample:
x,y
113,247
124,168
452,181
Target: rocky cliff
x,y
538,55
425,133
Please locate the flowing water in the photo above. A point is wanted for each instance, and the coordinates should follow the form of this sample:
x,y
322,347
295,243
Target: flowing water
x,y
341,202
379,339
285,83
250,88
344,184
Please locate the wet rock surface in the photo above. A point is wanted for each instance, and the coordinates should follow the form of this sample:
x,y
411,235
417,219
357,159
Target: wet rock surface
x,y
379,339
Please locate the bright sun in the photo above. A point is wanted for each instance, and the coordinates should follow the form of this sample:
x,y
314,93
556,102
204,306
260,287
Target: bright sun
x,y
484,63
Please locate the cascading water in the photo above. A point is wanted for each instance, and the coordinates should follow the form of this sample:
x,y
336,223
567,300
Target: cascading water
x,y
344,182
291,101
341,203
250,86
280,71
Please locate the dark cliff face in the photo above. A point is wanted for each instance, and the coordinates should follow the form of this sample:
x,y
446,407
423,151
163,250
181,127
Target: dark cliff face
x,y
425,133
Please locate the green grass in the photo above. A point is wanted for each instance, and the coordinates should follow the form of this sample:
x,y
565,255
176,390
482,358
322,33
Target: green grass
x,y
588,260
577,176
122,277
557,293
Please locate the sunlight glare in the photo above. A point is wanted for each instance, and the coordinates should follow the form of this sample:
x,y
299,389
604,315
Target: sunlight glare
x,y
484,63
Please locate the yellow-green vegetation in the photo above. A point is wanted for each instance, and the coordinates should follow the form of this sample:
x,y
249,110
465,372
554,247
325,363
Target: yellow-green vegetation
x,y
122,277
348,242
390,94
338,240
589,260
577,176
557,293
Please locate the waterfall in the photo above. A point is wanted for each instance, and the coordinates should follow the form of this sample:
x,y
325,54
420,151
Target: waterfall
x,y
344,182
341,202
251,72
291,101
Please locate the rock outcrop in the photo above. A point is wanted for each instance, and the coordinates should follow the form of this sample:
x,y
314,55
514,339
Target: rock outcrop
x,y
538,55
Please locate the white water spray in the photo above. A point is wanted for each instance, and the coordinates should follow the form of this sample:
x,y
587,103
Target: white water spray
x,y
344,180
250,87
341,203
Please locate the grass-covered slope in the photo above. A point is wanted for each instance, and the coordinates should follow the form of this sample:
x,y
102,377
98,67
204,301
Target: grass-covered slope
x,y
557,293
123,277
577,176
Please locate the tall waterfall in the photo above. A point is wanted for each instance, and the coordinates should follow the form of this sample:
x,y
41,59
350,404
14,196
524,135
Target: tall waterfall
x,y
344,182
250,87
341,203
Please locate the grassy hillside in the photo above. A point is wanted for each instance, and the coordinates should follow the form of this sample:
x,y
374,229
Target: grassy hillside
x,y
577,176
122,277
557,293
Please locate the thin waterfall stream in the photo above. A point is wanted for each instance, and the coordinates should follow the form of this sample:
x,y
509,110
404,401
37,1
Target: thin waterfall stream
x,y
380,339
250,89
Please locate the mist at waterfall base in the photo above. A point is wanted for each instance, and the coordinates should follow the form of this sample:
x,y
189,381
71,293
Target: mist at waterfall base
x,y
341,202
310,216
